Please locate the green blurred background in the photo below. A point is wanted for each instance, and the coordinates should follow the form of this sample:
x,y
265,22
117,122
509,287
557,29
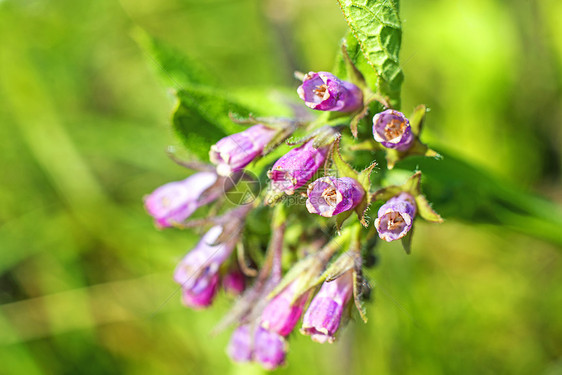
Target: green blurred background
x,y
85,279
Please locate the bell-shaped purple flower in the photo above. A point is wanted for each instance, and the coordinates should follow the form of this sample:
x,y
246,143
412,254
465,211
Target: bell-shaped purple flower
x,y
392,129
323,317
395,217
324,91
197,273
329,196
233,153
257,344
176,201
296,167
283,312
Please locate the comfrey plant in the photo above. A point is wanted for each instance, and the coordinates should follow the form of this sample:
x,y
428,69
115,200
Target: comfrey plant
x,y
294,253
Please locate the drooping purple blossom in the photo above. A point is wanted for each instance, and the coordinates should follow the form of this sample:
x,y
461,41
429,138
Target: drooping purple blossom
x,y
296,167
233,153
249,343
395,217
283,312
392,129
323,317
197,273
176,201
324,91
329,196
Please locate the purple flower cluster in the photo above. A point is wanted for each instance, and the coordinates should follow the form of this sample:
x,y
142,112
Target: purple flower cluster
x,y
269,309
266,343
322,318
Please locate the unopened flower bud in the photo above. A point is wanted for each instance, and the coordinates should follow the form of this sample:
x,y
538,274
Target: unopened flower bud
x,y
236,151
176,201
323,317
241,343
296,167
284,311
248,343
395,217
270,349
234,282
197,273
392,129
329,196
325,92
202,292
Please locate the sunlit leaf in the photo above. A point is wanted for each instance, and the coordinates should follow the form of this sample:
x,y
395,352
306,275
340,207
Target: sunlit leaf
x,y
344,169
426,211
176,69
417,118
376,26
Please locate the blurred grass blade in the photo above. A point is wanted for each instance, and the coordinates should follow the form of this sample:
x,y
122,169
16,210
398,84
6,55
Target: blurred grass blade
x,y
83,308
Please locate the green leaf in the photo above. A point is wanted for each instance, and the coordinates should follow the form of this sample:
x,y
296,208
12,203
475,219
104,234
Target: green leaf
x,y
304,272
418,148
354,123
357,292
362,209
268,101
425,210
413,184
367,145
376,26
407,241
201,116
386,193
201,119
417,118
364,177
352,72
459,190
341,265
351,53
344,169
173,67
341,218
